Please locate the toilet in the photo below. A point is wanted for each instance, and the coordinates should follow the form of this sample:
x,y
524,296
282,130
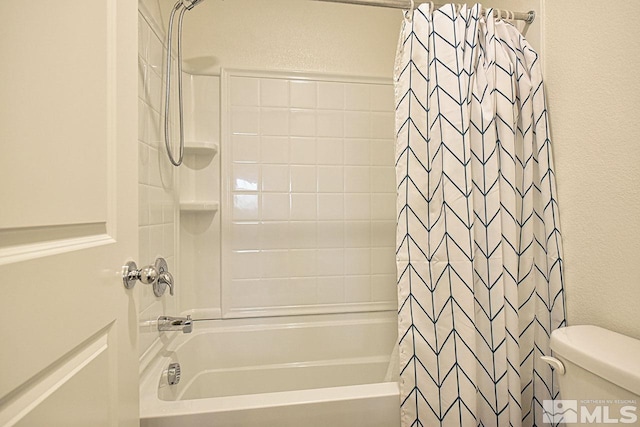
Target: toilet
x,y
598,373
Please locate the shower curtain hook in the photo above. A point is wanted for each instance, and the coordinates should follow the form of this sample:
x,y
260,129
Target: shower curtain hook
x,y
498,14
409,13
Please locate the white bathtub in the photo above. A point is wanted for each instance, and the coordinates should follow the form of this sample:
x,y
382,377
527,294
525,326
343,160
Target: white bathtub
x,y
316,371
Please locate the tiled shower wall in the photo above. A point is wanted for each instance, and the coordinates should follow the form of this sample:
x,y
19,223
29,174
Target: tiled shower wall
x,y
156,189
309,217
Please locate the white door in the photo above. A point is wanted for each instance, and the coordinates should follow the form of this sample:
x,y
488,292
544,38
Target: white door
x,y
68,212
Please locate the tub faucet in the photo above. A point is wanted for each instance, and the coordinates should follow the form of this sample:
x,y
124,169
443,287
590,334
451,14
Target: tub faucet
x,y
168,323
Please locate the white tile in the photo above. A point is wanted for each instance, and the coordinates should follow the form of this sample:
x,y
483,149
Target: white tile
x,y
274,235
245,235
383,179
143,38
331,95
142,80
245,207
330,234
143,163
383,260
382,152
245,177
275,149
303,94
248,293
168,240
382,125
330,290
275,206
303,207
302,263
245,264
357,97
143,205
357,179
155,54
383,206
275,178
357,151
330,151
245,148
155,206
274,93
303,151
357,261
142,120
357,234
331,262
245,120
155,242
169,207
357,289
155,90
274,121
330,179
330,207
302,122
383,233
357,124
330,123
384,288
304,179
382,98
278,292
155,129
303,290
143,242
357,206
302,234
274,264
244,91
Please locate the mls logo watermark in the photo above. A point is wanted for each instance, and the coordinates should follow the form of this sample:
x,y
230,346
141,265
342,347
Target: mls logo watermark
x,y
589,411
559,411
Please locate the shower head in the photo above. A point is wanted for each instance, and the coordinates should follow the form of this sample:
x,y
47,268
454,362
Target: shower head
x,y
190,4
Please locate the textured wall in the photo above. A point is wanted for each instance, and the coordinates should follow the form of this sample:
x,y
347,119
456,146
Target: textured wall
x,y
592,53
290,35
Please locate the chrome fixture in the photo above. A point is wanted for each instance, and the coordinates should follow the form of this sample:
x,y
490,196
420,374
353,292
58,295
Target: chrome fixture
x,y
164,278
173,373
156,275
182,6
168,323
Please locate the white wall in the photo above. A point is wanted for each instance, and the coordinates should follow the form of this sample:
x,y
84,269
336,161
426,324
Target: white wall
x,y
592,54
290,35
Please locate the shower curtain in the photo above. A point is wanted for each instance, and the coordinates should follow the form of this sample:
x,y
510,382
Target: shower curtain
x,y
479,251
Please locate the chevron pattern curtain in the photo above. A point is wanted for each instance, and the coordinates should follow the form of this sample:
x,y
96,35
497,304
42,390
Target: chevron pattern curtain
x,y
480,282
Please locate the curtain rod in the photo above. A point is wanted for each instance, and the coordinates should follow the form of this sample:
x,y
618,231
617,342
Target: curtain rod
x,y
527,17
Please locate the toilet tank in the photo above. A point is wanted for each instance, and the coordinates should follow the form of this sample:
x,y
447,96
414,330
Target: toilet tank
x,y
601,373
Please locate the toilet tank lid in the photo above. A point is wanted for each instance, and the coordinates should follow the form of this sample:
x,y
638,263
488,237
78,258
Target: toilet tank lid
x,y
610,355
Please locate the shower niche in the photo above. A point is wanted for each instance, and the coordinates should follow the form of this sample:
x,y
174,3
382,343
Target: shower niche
x,y
199,234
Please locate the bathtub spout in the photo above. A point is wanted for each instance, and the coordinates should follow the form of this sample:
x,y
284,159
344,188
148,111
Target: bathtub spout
x,y
168,323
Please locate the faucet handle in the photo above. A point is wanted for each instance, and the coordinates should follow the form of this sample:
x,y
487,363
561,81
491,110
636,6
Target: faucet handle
x,y
166,278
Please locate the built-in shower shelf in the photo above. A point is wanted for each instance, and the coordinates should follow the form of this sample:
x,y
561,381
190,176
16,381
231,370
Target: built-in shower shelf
x,y
199,206
201,147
